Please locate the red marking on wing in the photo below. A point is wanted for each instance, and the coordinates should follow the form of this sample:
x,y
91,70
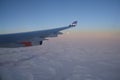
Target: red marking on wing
x,y
26,43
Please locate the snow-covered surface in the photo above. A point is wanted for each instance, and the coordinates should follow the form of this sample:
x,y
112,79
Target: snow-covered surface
x,y
62,59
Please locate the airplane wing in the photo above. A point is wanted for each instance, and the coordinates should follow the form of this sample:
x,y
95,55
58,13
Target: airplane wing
x,y
26,39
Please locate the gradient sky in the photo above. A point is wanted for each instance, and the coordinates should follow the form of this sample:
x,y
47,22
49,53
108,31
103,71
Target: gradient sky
x,y
30,15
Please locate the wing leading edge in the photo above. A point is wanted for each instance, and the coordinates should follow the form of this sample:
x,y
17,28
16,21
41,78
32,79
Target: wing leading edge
x,y
30,38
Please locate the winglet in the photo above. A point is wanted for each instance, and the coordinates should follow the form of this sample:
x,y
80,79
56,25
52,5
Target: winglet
x,y
73,24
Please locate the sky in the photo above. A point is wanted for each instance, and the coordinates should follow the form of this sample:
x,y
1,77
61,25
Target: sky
x,y
30,15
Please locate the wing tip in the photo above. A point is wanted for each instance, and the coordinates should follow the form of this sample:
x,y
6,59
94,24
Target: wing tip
x,y
74,23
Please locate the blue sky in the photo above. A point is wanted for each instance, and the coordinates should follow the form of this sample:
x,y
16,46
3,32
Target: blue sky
x,y
30,15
